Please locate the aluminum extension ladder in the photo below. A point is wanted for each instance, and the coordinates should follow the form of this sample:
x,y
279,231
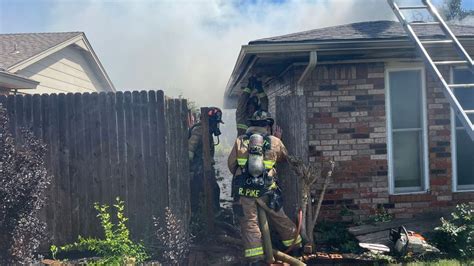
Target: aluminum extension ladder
x,y
451,39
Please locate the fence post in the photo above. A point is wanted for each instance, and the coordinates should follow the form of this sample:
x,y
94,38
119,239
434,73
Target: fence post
x,y
208,170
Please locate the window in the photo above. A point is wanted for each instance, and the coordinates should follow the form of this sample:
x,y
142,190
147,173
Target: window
x,y
463,146
406,123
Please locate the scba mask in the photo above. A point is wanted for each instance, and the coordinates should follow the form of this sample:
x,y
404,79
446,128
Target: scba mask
x,y
215,129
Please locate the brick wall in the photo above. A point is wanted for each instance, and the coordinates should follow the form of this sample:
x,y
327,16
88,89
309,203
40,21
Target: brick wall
x,y
347,121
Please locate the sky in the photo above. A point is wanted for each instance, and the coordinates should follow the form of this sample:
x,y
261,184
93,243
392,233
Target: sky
x,y
187,48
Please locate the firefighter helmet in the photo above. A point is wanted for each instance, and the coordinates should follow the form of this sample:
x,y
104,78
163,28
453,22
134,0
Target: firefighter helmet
x,y
261,119
215,114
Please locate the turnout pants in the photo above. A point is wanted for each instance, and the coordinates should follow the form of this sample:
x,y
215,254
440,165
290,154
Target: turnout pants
x,y
251,235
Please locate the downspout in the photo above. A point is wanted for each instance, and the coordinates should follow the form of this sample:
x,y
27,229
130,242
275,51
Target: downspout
x,y
313,59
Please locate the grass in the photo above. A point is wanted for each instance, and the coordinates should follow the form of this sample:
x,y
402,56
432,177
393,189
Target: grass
x,y
443,262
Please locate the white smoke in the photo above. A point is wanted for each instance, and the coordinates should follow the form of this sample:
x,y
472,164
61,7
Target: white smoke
x,y
189,48
469,21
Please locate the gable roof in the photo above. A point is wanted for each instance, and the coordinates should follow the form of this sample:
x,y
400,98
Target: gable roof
x,y
19,50
28,45
369,30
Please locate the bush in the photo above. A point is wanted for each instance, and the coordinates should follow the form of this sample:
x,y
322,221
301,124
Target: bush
x,y
381,216
116,248
173,238
336,237
23,181
455,236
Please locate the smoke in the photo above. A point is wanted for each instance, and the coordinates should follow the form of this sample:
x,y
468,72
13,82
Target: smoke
x,y
468,21
189,48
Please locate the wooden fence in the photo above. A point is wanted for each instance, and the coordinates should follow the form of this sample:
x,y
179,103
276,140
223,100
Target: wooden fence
x,y
291,117
132,145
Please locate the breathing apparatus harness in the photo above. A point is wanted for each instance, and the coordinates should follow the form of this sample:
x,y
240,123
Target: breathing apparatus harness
x,y
254,180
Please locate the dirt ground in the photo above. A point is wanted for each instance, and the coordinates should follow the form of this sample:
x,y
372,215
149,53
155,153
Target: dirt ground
x,y
224,179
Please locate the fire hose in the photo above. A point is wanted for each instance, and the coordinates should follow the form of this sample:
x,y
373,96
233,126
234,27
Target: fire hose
x,y
298,231
267,241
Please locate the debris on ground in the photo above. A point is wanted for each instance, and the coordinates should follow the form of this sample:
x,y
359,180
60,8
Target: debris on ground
x,y
378,233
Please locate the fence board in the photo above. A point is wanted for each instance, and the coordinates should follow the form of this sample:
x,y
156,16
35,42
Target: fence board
x,y
28,109
11,114
19,123
45,127
37,116
99,146
292,119
111,140
147,163
89,182
103,155
96,159
137,159
54,163
130,171
162,153
73,167
121,147
64,205
3,101
80,163
182,150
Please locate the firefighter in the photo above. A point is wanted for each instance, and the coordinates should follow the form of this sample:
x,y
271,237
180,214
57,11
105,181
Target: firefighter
x,y
252,163
252,99
195,158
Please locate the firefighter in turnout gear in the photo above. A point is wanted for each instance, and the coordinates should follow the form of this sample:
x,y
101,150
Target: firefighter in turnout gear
x,y
252,163
196,157
252,99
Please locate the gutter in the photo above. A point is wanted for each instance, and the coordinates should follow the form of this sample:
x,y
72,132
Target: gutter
x,y
313,59
13,81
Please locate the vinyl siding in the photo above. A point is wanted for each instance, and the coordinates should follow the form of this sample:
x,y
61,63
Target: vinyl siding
x,y
65,71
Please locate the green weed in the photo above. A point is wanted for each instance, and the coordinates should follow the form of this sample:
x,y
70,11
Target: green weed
x,y
117,248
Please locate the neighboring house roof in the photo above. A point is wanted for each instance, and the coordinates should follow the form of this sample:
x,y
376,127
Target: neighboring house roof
x,y
370,30
19,50
28,45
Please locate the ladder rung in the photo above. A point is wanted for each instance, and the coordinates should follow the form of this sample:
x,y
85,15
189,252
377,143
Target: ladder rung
x,y
469,111
461,85
450,62
424,23
437,41
412,7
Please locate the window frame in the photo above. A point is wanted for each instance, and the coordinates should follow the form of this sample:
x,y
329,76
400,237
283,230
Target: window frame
x,y
454,155
424,113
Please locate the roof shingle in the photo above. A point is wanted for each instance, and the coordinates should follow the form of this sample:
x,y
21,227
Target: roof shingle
x,y
370,30
15,48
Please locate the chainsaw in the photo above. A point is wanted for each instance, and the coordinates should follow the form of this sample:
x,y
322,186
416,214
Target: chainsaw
x,y
409,242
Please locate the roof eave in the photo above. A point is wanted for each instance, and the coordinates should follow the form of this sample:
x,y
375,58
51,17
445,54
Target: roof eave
x,y
12,81
292,47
